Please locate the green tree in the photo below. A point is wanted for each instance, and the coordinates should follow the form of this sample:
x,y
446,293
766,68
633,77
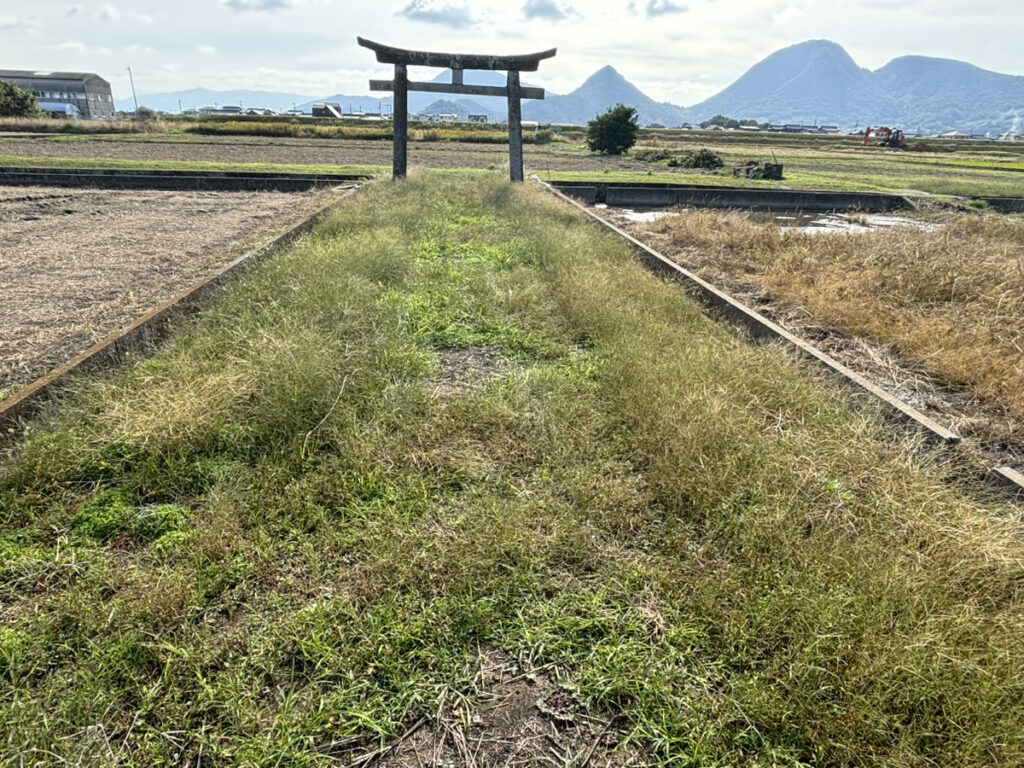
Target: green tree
x,y
146,115
721,121
17,102
613,132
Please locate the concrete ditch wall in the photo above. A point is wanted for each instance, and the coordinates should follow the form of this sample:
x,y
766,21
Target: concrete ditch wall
x,y
219,181
628,195
1004,204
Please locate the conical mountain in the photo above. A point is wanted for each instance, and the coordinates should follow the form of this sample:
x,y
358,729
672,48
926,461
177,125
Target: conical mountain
x,y
603,89
814,81
938,95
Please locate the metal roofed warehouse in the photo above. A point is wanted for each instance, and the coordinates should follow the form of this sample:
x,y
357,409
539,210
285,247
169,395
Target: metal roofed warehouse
x,y
86,91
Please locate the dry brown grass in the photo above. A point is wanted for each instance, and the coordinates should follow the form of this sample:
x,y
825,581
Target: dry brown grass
x,y
951,300
53,125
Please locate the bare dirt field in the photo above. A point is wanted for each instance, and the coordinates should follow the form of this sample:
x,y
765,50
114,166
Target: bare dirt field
x,y
77,264
258,149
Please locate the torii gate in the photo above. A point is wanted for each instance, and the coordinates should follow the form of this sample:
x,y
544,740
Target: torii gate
x,y
457,63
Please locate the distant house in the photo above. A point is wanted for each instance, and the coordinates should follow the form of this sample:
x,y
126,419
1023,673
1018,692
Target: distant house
x,y
88,93
230,109
327,109
478,118
830,129
954,135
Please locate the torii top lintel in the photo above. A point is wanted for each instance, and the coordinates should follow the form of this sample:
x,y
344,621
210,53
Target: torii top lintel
x,y
387,54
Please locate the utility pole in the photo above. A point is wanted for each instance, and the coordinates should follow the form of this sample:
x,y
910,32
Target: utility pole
x,y
134,97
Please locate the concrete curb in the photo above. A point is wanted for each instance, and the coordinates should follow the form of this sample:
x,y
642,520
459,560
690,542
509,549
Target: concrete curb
x,y
149,329
220,181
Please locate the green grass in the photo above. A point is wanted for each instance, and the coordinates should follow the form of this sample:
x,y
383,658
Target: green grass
x,y
15,161
897,180
288,526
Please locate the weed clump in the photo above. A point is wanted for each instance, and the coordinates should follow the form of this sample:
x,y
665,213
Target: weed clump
x,y
104,516
702,158
652,154
113,513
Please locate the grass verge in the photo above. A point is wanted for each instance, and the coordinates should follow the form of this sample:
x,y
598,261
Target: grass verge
x,y
459,417
15,161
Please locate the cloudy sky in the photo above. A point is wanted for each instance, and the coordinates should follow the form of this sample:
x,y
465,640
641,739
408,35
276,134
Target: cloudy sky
x,y
680,51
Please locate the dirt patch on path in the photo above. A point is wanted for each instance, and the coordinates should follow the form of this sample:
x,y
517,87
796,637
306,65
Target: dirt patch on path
x,y
517,716
77,264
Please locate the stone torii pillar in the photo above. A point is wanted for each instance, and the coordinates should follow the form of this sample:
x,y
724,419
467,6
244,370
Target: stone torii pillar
x,y
457,63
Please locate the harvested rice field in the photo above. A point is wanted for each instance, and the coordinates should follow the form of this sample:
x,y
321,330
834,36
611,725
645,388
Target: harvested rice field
x,y
77,264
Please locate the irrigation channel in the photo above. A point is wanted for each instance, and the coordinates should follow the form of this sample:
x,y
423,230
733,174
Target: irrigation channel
x,y
157,323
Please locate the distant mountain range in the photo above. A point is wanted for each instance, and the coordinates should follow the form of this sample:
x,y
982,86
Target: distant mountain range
x,y
813,82
818,82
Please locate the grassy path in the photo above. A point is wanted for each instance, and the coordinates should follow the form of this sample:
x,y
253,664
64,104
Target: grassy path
x,y
459,418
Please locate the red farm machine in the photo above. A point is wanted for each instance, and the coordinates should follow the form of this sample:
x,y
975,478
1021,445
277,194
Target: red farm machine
x,y
891,137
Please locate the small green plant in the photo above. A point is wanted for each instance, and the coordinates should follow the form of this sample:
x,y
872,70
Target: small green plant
x,y
104,516
613,132
153,522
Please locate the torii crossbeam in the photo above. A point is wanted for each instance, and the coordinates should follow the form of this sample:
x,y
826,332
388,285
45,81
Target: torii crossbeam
x,y
457,63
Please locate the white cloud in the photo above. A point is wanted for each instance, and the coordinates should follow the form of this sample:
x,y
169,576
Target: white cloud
x,y
70,46
308,46
206,49
657,8
11,24
549,10
454,16
257,5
